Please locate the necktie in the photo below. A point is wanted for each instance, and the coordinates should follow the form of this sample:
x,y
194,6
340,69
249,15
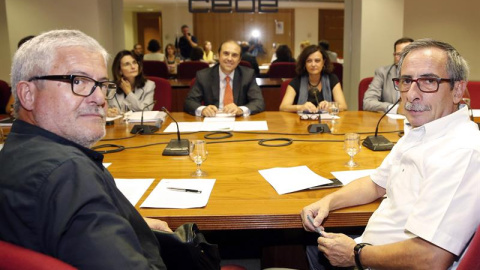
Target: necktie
x,y
228,97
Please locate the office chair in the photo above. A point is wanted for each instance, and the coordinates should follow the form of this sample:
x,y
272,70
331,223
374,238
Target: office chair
x,y
283,87
362,88
474,91
13,257
282,70
5,93
163,93
188,70
245,64
470,259
155,68
338,70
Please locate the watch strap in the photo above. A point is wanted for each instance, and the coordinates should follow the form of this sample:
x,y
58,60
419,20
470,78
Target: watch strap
x,y
356,251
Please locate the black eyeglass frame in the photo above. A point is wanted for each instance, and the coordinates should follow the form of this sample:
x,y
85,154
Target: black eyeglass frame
x,y
396,82
70,78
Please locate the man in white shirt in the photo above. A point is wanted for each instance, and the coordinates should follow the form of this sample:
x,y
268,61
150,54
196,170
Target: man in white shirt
x,y
225,87
430,177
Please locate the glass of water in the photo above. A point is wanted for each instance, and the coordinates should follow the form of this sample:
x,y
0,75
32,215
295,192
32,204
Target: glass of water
x,y
198,154
333,110
352,146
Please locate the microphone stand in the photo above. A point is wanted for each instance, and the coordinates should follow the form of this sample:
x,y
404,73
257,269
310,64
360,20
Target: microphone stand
x,y
144,129
176,147
378,142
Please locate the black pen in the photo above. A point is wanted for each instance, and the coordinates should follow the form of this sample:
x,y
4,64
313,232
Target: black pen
x,y
185,190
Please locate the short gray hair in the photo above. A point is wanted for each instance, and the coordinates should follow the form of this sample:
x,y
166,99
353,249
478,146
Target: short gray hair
x,y
36,56
457,67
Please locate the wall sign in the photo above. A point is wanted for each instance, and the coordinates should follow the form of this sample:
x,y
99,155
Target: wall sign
x,y
227,6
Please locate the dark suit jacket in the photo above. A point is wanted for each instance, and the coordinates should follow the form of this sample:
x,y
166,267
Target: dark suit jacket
x,y
206,89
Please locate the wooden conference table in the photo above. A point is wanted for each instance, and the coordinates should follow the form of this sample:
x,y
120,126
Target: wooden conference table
x,y
241,197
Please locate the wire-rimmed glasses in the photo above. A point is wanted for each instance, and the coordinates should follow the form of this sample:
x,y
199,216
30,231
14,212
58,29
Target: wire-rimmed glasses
x,y
82,85
425,84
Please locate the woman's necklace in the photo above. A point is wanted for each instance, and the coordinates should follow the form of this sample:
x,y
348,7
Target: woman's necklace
x,y
313,86
314,89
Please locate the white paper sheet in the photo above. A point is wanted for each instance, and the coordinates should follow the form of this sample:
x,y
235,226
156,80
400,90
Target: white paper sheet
x,y
148,116
286,180
113,118
348,176
218,126
476,112
324,116
395,116
133,189
106,165
162,197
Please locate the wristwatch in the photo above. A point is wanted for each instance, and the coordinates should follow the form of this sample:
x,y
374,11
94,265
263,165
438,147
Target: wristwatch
x,y
356,251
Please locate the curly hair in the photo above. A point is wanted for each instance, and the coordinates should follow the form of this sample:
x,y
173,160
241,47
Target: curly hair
x,y
302,60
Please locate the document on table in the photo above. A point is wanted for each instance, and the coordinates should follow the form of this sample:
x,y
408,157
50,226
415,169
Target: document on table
x,y
148,116
218,125
133,189
106,164
323,116
180,193
348,176
395,116
286,180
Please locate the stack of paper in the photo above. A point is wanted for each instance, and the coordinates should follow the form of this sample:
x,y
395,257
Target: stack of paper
x,y
148,116
286,180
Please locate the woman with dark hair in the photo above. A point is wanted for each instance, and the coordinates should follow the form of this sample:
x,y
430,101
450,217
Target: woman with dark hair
x,y
155,54
315,86
283,54
134,91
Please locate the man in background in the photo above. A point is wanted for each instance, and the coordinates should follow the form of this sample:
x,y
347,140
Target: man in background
x,y
430,178
381,94
57,198
185,43
138,52
225,87
246,56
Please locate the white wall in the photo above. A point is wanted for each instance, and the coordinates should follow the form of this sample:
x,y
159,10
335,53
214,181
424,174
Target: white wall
x,y
97,18
5,57
371,29
455,22
306,27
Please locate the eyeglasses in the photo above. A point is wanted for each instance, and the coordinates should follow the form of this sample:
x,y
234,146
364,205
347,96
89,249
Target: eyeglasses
x,y
425,84
82,85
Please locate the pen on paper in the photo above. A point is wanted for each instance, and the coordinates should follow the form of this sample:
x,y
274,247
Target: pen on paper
x,y
316,228
185,190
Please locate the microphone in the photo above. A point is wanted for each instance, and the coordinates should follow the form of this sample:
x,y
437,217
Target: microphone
x,y
144,129
176,147
378,142
319,128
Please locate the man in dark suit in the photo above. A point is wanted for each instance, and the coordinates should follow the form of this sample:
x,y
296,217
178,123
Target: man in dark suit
x,y
226,87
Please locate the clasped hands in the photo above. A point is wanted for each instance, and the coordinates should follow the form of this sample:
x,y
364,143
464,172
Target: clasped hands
x,y
211,110
308,106
337,247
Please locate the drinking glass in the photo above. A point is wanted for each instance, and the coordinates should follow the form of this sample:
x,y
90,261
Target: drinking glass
x,y
198,154
333,110
351,146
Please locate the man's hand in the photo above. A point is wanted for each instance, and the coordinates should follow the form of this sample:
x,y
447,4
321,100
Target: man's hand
x,y
210,111
318,211
232,108
112,112
157,224
338,249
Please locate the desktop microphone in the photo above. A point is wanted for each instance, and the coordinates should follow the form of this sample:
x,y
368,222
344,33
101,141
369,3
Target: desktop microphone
x,y
378,142
144,129
176,147
318,128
